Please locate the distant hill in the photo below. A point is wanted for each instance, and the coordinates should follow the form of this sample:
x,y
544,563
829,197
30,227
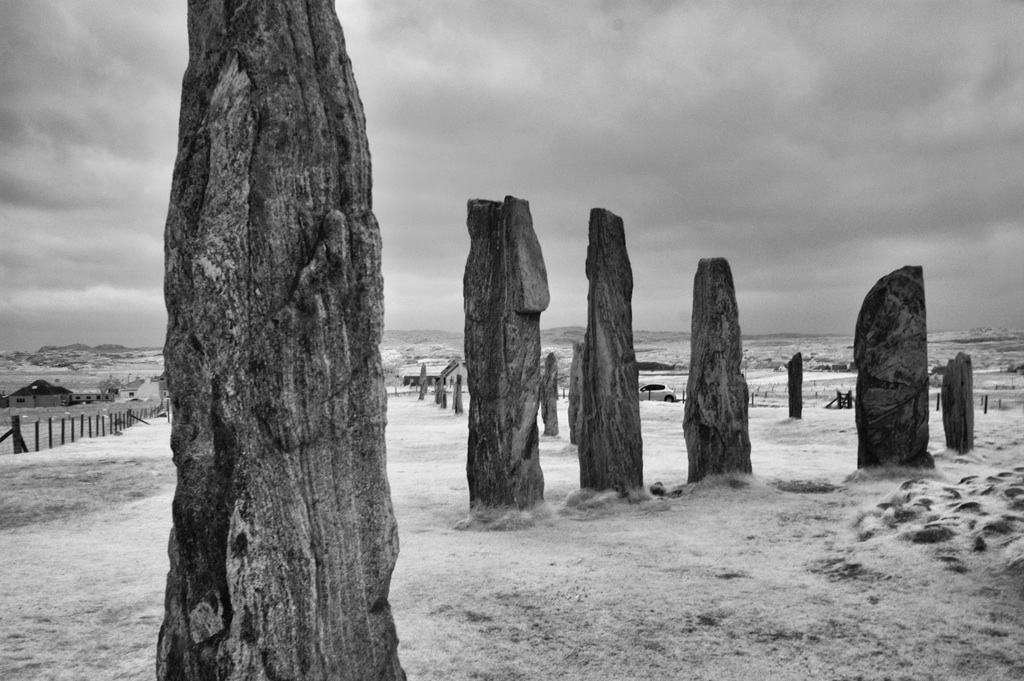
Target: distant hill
x,y
74,347
418,336
102,349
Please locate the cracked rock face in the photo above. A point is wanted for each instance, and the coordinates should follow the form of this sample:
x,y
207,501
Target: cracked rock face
x,y
505,290
575,391
549,395
715,417
958,403
610,445
890,348
795,385
283,538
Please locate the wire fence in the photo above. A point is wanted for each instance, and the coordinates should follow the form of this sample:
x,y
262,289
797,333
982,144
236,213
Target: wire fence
x,y
37,430
844,397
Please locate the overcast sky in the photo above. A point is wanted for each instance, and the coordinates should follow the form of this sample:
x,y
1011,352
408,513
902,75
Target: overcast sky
x,y
816,145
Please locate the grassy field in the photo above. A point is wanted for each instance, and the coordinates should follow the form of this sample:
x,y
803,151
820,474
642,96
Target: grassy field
x,y
794,572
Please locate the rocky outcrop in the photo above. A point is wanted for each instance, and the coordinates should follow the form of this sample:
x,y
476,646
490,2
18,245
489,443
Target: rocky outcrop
x,y
549,395
715,417
795,386
284,538
608,429
575,391
890,349
505,290
958,403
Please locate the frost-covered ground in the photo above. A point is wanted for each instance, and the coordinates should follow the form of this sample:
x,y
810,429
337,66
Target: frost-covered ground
x,y
792,573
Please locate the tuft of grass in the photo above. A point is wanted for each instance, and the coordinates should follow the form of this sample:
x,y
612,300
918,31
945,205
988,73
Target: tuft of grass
x,y
805,486
875,473
591,499
504,518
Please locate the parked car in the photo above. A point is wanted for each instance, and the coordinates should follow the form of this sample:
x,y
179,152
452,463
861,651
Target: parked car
x,y
657,392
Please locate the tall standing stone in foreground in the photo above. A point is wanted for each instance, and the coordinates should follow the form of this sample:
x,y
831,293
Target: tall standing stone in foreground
x,y
505,290
795,386
283,539
715,418
610,444
958,403
549,395
890,348
575,391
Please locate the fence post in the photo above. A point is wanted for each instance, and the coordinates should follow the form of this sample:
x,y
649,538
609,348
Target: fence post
x,y
16,433
37,435
986,405
81,426
62,430
90,425
49,429
938,401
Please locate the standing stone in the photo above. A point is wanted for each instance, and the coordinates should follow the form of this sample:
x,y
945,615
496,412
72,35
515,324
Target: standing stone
x,y
715,419
457,399
444,397
505,290
423,381
610,444
958,403
575,391
549,395
890,349
795,385
438,391
283,539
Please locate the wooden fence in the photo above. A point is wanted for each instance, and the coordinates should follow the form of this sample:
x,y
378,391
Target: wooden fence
x,y
31,433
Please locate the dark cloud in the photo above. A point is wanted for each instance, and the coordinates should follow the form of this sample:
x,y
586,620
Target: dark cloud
x,y
787,137
818,146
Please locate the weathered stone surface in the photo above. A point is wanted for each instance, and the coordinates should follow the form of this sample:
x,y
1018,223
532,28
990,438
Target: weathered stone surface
x,y
715,417
283,539
958,403
457,400
608,427
549,395
444,397
890,348
505,290
795,386
575,391
438,392
423,382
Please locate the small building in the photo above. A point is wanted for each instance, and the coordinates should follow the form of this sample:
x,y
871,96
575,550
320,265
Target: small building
x,y
37,394
411,373
143,389
456,367
90,397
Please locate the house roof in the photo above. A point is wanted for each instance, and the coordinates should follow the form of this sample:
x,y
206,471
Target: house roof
x,y
452,366
433,370
40,387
